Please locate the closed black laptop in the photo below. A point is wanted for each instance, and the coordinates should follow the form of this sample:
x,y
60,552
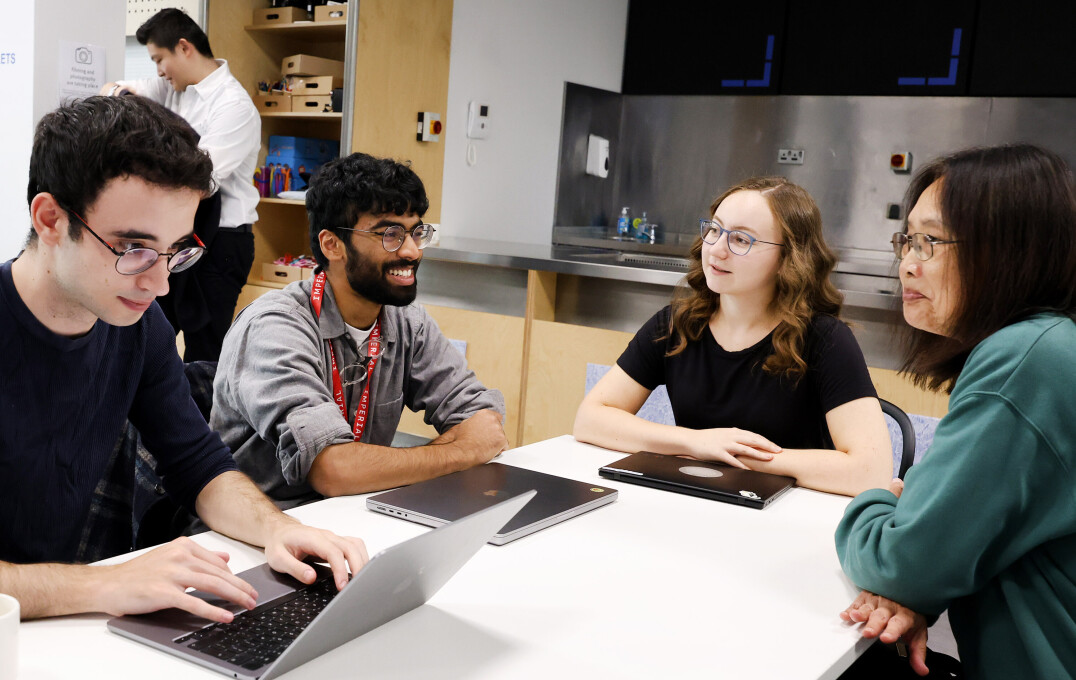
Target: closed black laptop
x,y
445,499
699,478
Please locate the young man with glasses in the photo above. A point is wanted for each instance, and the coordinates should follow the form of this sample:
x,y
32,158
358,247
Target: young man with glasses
x,y
313,379
114,185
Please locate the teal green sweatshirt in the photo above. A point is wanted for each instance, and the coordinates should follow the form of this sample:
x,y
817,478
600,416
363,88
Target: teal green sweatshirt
x,y
986,525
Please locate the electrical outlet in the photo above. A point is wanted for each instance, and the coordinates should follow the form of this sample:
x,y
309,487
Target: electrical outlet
x,y
790,156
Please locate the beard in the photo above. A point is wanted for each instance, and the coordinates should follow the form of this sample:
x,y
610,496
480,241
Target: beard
x,y
371,281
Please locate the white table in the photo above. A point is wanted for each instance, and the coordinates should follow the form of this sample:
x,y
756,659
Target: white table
x,y
655,585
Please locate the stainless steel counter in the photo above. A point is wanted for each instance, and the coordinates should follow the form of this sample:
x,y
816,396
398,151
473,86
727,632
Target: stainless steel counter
x,y
865,277
573,260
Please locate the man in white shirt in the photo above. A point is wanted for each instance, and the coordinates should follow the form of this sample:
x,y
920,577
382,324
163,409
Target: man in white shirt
x,y
203,91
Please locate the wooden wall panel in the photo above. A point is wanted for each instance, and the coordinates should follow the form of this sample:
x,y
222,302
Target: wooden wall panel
x,y
899,390
401,68
494,353
556,373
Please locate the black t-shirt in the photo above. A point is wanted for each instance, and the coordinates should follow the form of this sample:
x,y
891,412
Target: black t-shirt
x,y
711,387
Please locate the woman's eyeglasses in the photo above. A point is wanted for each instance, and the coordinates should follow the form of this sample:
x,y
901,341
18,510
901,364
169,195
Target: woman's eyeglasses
x,y
921,244
740,242
137,260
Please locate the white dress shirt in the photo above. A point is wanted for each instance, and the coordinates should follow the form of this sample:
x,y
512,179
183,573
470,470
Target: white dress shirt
x,y
220,110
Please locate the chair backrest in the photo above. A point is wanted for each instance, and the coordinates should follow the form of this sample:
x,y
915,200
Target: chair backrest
x,y
656,409
902,433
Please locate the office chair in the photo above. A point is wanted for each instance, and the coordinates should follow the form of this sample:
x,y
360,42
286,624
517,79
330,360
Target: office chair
x,y
907,434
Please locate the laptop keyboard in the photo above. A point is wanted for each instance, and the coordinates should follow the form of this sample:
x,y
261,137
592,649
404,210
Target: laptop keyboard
x,y
256,638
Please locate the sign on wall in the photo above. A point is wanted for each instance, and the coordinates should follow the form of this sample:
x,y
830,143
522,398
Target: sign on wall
x,y
81,70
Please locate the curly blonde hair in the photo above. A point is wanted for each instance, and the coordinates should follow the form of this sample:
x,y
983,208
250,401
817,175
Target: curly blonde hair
x,y
803,287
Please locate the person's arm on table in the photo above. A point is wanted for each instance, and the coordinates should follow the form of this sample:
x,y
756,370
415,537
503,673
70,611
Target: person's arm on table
x,y
353,468
159,578
606,418
861,459
149,582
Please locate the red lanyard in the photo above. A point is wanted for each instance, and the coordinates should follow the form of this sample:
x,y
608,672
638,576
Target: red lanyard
x,y
316,294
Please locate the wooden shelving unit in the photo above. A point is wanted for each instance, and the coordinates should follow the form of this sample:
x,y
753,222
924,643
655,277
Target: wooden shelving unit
x,y
322,30
303,116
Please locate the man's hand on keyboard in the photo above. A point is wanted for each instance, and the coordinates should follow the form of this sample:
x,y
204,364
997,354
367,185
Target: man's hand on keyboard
x,y
159,579
291,542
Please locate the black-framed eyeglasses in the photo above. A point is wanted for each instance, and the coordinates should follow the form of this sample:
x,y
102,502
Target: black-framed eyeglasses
x,y
393,237
921,244
740,242
137,260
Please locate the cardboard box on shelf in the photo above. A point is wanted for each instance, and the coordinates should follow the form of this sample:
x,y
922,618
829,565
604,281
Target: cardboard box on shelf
x,y
272,103
280,15
321,103
330,13
303,85
285,273
306,65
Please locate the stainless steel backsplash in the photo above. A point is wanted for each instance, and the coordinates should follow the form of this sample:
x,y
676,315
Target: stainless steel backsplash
x,y
672,155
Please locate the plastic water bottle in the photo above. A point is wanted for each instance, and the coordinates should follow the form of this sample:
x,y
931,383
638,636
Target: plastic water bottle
x,y
641,224
623,223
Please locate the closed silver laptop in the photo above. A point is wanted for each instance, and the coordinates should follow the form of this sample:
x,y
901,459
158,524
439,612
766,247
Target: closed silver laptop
x,y
445,499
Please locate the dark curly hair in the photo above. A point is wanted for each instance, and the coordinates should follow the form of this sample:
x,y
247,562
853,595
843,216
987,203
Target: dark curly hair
x,y
1012,210
803,286
82,146
347,188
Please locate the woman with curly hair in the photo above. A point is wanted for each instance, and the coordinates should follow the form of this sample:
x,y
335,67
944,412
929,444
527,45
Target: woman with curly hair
x,y
760,371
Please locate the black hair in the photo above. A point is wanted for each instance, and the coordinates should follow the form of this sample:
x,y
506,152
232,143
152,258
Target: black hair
x,y
347,188
82,146
165,29
1012,211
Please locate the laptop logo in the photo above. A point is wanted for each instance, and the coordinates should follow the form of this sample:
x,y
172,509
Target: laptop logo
x,y
491,492
750,494
699,471
597,489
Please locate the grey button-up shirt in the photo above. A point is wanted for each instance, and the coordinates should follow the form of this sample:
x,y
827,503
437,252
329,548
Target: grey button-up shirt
x,y
272,397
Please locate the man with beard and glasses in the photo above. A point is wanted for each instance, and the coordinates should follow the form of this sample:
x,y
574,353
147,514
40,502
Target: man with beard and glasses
x,y
313,378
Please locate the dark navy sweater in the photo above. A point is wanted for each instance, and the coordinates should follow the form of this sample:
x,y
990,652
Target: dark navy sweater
x,y
63,404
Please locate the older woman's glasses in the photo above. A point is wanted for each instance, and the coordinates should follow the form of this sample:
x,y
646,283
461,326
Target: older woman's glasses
x,y
921,244
137,260
740,242
393,237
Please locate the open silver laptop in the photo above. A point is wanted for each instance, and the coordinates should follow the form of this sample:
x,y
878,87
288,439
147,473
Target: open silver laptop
x,y
299,622
699,478
445,499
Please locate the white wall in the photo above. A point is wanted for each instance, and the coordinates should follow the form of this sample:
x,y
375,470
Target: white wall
x,y
17,124
34,31
515,55
97,22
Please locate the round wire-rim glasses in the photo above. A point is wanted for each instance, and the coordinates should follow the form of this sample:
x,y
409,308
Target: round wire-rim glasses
x,y
921,244
392,238
137,260
740,242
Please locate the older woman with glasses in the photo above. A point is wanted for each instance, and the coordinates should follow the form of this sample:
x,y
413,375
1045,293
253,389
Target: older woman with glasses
x,y
985,525
760,371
